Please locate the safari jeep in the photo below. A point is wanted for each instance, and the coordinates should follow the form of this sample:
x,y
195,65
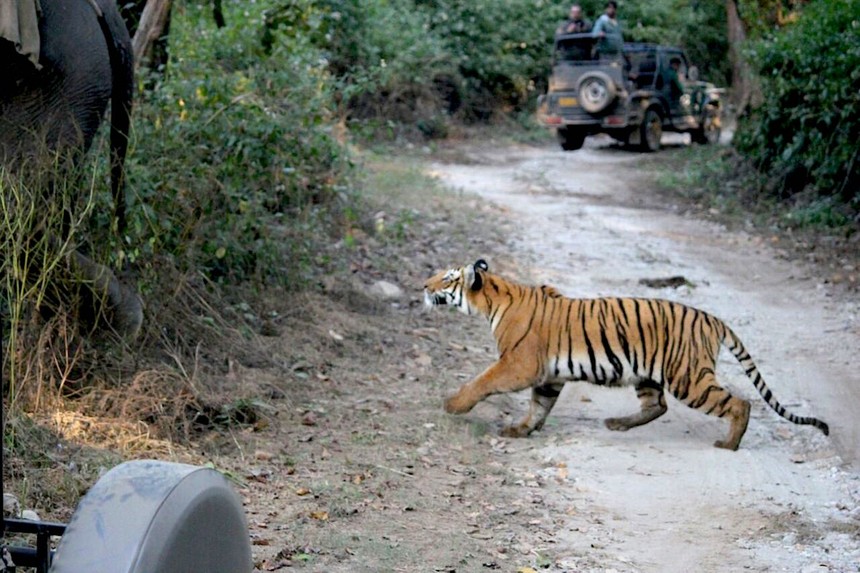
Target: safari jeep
x,y
628,96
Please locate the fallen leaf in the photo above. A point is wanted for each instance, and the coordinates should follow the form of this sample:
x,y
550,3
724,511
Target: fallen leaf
x,y
320,515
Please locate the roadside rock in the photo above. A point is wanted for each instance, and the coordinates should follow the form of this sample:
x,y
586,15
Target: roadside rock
x,y
386,290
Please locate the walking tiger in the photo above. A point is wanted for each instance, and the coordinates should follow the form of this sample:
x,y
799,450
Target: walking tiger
x,y
546,339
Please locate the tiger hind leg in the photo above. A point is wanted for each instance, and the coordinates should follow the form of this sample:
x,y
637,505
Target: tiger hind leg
x,y
652,403
709,397
543,399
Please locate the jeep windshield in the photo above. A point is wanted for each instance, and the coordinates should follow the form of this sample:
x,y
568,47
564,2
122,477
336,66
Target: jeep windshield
x,y
574,49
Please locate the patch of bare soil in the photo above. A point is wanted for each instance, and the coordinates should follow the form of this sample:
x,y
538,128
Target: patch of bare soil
x,y
833,257
358,467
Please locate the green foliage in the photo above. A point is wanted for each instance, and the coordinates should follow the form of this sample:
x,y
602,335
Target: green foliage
x,y
806,131
379,58
420,62
233,153
500,49
761,17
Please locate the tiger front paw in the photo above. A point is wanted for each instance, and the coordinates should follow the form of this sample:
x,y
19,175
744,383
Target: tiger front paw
x,y
457,405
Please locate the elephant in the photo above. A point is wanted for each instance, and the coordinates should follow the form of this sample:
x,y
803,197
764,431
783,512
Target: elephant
x,y
54,92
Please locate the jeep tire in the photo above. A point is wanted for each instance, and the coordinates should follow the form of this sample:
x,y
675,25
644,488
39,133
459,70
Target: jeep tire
x,y
596,91
709,130
571,138
651,131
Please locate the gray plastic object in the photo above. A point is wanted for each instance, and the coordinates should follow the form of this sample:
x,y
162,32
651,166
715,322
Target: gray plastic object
x,y
150,516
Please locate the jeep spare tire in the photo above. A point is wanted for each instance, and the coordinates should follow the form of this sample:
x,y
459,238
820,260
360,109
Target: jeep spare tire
x,y
596,91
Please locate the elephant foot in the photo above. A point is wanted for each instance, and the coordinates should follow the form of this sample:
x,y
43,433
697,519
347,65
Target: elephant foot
x,y
121,306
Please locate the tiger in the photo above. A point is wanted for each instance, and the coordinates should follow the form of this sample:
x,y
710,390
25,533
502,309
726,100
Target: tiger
x,y
545,339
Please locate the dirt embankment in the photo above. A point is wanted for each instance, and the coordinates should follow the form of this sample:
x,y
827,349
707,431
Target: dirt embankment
x,y
360,469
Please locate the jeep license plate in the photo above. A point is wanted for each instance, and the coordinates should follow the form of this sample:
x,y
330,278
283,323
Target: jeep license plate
x,y
567,101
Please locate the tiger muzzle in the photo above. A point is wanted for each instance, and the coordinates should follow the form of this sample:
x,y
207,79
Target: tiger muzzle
x,y
434,299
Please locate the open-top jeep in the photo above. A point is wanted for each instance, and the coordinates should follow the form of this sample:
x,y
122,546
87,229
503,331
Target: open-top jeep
x,y
633,96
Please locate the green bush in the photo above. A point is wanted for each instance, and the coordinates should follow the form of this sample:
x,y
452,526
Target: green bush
x,y
805,133
501,49
233,151
381,62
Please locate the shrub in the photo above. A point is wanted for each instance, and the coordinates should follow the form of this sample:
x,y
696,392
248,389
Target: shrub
x,y
806,131
382,64
233,149
501,49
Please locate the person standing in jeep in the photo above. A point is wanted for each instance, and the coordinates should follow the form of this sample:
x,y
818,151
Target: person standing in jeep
x,y
676,88
575,23
607,30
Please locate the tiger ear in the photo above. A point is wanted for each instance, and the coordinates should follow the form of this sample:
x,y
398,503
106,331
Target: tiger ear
x,y
474,277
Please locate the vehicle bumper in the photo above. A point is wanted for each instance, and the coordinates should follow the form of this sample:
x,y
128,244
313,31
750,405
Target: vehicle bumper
x,y
560,110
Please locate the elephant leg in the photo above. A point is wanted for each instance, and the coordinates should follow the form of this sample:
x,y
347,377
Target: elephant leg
x,y
118,304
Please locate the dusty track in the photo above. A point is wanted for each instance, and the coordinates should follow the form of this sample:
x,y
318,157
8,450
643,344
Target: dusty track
x,y
360,469
661,497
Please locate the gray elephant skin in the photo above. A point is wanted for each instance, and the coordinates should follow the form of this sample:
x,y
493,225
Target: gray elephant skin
x,y
85,62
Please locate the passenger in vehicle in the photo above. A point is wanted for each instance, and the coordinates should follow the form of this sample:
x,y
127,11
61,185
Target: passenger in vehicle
x,y
607,30
676,87
575,23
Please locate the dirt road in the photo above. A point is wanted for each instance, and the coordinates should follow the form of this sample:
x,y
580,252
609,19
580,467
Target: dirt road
x,y
359,469
661,498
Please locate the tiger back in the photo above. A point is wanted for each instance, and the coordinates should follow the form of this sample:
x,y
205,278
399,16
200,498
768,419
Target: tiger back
x,y
545,339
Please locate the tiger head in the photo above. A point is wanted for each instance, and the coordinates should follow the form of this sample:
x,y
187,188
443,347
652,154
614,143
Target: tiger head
x,y
455,287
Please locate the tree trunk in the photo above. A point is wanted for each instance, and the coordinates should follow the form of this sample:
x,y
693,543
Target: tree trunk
x,y
745,88
153,21
218,13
